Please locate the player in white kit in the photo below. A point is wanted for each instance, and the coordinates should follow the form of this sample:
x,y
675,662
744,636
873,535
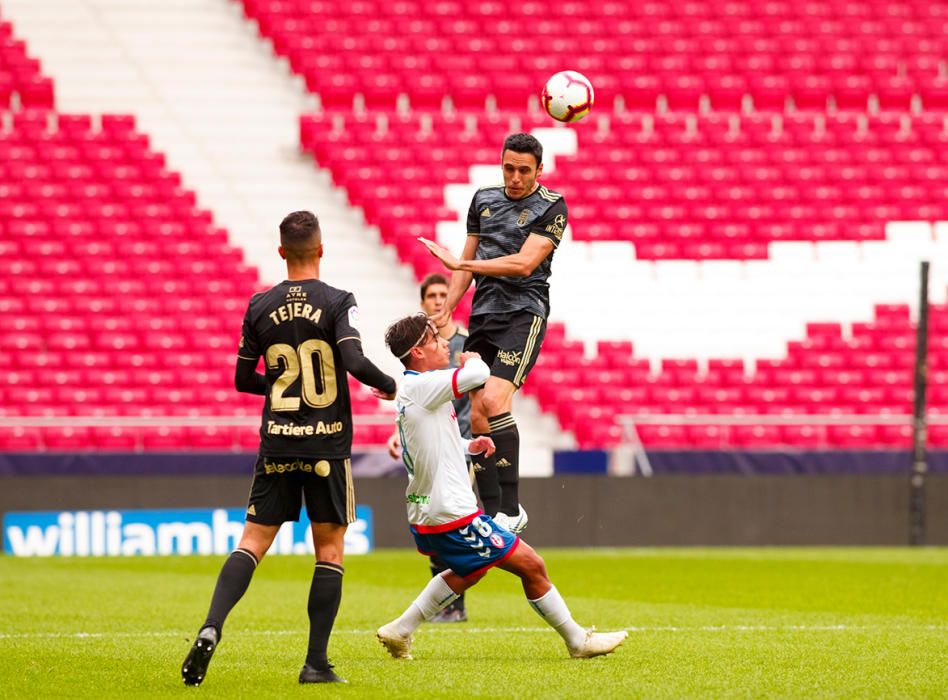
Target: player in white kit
x,y
442,510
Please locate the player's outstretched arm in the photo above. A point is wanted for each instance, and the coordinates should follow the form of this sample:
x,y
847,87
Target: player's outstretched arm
x,y
460,281
247,379
363,369
520,264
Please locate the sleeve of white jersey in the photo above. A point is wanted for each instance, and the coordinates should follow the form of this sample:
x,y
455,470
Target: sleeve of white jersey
x,y
431,389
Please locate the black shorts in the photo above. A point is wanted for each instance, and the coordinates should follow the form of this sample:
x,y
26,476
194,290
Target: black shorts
x,y
508,343
281,483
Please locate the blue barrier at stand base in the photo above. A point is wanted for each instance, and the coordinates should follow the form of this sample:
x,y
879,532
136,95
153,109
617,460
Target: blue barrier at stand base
x,y
757,462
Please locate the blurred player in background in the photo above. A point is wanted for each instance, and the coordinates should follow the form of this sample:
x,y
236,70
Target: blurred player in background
x,y
512,232
307,333
434,292
442,510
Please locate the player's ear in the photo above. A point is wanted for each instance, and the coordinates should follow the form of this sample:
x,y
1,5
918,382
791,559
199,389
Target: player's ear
x,y
319,251
539,169
282,252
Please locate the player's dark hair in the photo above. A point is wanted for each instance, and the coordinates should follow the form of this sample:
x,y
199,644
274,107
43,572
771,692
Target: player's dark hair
x,y
524,143
433,278
405,334
300,235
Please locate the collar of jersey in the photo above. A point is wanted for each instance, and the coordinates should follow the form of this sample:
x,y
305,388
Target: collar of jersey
x,y
411,371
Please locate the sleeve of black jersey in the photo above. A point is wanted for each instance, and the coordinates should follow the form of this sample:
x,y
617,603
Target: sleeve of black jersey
x,y
553,222
246,377
349,342
473,219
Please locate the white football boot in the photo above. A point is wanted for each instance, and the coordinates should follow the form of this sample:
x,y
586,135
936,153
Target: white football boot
x,y
513,523
598,644
398,646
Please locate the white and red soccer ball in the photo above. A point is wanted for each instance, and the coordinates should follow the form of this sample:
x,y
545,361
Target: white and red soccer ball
x,y
567,96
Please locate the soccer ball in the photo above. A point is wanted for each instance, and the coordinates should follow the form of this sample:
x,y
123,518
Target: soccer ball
x,y
567,96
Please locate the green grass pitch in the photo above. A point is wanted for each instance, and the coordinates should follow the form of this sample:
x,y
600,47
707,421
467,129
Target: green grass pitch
x,y
788,623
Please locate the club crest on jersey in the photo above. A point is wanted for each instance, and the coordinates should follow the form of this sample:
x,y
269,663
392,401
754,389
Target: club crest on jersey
x,y
522,219
354,317
486,213
497,541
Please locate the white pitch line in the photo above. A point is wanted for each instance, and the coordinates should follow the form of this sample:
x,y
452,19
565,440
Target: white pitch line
x,y
493,630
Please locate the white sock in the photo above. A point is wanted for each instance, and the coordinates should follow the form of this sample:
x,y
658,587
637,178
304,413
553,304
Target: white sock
x,y
436,596
552,608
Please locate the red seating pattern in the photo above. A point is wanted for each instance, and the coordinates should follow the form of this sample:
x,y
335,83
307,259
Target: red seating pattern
x,y
778,54
119,297
21,75
730,124
697,187
867,372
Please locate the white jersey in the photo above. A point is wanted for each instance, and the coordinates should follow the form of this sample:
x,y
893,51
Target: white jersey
x,y
439,487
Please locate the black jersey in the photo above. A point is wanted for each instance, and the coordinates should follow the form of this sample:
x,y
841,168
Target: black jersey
x,y
297,328
502,225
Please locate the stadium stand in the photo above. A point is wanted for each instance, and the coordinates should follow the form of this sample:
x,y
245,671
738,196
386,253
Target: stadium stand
x,y
119,298
727,127
722,131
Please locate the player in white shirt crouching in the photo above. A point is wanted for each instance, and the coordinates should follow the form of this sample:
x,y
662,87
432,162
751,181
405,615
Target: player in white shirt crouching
x,y
442,509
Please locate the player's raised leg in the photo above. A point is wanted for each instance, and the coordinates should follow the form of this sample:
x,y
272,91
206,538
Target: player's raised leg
x,y
498,476
232,583
485,467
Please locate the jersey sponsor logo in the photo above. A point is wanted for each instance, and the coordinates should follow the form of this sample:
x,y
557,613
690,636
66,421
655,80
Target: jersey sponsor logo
x,y
478,467
502,462
295,294
421,499
320,468
511,358
485,213
522,219
354,317
242,342
320,428
558,226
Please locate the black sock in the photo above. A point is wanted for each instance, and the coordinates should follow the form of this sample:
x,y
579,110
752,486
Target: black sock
x,y
231,585
485,473
438,567
506,436
324,596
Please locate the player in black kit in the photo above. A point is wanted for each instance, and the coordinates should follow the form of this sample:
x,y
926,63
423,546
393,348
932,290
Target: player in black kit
x,y
306,331
512,232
